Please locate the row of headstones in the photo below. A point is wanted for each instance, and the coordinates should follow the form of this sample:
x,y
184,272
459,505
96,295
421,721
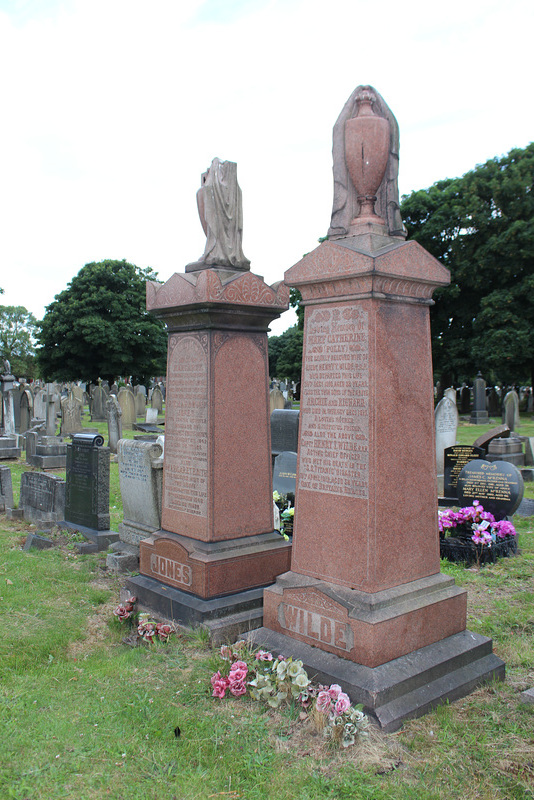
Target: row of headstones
x,y
81,501
486,399
30,403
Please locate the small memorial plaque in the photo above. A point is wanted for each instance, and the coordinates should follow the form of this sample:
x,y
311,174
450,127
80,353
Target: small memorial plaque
x,y
284,430
456,457
497,485
285,473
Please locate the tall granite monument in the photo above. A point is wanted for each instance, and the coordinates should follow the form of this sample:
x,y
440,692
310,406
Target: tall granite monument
x,y
365,604
217,544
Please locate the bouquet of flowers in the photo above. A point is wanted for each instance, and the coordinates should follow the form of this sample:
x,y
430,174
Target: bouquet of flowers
x,y
284,680
472,522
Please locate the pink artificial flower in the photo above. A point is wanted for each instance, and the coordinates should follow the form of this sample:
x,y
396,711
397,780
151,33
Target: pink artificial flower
x,y
238,665
163,631
237,688
504,528
342,703
324,701
237,675
263,655
220,685
121,612
333,691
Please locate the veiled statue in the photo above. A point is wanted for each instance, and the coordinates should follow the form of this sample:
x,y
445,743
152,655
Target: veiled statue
x,y
220,209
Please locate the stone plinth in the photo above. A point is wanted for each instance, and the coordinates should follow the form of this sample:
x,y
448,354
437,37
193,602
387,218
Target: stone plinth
x,y
365,584
217,536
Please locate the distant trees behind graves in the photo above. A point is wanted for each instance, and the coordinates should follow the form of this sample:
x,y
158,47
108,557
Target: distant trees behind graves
x,y
285,354
99,327
481,227
18,328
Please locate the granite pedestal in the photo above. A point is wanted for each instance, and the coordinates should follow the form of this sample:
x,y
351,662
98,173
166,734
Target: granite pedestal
x,y
217,538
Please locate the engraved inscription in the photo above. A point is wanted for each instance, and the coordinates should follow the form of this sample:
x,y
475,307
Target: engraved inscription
x,y
489,485
315,627
334,445
186,426
132,465
172,570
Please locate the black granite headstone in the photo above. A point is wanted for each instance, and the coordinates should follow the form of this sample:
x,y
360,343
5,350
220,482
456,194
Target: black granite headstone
x,y
87,489
497,485
285,473
455,458
284,430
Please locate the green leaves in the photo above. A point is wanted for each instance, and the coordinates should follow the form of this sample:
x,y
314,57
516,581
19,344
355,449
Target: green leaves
x,y
481,227
99,327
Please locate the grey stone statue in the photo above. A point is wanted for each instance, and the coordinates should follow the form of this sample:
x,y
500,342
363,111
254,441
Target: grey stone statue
x,y
221,214
346,206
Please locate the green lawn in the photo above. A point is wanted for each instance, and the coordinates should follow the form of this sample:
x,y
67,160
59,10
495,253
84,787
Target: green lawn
x,y
85,717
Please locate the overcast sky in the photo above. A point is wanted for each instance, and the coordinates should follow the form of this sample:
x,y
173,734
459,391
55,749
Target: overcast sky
x,y
112,109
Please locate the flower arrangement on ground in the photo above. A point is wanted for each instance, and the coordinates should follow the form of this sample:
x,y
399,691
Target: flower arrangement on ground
x,y
479,529
147,630
280,680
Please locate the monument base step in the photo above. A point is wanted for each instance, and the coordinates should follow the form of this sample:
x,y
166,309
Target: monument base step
x,y
225,617
123,558
47,462
406,687
97,540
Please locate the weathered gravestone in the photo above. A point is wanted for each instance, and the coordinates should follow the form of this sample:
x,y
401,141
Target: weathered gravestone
x,y
151,416
114,389
45,452
71,415
26,410
510,414
507,449
285,473
6,489
114,414
276,400
446,423
494,403
42,499
140,403
156,401
8,441
127,403
456,457
140,476
479,414
465,400
498,486
39,405
87,489
451,394
98,404
284,430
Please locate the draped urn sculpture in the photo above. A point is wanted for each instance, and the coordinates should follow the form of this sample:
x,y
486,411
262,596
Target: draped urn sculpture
x,y
366,154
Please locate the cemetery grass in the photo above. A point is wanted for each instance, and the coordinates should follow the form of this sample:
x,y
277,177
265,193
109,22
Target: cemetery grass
x,y
84,716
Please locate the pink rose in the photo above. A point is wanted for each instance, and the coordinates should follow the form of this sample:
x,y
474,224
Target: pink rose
x,y
220,684
237,675
263,655
323,702
237,688
238,665
334,691
342,703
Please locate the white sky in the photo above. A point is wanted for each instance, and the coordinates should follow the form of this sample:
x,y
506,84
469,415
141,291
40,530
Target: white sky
x,y
112,109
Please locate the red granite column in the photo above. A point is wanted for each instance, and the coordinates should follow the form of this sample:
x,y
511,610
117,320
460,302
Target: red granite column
x,y
365,604
217,538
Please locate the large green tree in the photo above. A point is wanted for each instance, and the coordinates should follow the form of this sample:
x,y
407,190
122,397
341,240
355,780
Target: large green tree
x,y
285,354
99,327
18,328
481,227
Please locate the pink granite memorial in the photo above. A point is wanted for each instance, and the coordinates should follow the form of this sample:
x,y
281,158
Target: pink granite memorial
x,y
217,546
365,604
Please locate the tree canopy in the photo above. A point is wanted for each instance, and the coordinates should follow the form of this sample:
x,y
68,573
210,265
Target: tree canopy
x,y
481,227
285,354
18,328
99,327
